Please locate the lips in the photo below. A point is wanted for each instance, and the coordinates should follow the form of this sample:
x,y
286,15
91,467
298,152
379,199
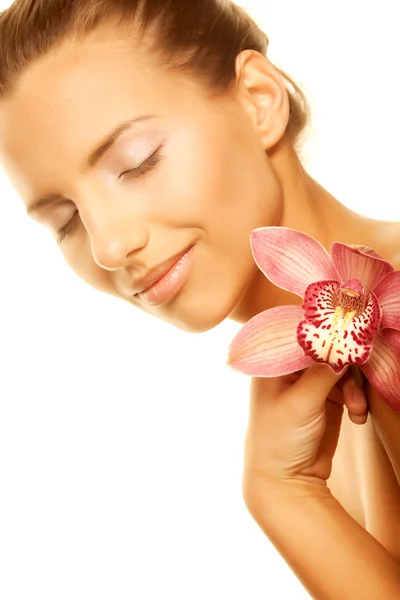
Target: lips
x,y
156,273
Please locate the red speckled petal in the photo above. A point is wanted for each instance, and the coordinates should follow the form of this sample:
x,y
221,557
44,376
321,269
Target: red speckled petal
x,y
291,259
383,368
267,346
353,263
320,301
388,293
327,336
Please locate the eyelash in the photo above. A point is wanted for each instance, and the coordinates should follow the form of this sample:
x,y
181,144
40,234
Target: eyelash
x,y
145,167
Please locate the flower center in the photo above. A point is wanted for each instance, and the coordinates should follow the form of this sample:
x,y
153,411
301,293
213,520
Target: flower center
x,y
351,301
340,323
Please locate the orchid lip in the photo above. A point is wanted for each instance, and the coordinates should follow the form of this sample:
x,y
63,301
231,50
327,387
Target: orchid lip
x,y
338,328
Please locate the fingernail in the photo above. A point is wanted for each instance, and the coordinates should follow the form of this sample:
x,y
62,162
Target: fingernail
x,y
359,419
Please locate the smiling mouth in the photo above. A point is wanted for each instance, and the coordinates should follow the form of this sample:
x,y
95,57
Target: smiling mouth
x,y
156,273
166,287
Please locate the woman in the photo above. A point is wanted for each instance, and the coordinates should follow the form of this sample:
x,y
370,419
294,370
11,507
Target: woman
x,y
151,135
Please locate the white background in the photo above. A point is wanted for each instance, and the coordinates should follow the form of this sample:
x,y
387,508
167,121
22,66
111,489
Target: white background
x,y
121,438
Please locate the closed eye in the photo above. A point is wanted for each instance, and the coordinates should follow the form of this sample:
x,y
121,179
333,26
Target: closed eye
x,y
146,166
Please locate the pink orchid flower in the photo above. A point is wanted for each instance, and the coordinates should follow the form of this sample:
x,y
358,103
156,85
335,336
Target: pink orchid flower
x,y
350,312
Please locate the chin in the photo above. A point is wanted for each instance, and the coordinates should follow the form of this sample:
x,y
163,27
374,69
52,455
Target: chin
x,y
199,308
200,315
195,321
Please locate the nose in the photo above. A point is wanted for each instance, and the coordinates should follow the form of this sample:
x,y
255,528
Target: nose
x,y
116,239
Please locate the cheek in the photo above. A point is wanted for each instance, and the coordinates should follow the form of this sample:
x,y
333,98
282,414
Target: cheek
x,y
215,179
227,205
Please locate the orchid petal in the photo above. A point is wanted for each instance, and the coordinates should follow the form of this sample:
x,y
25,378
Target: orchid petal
x,y
291,259
354,263
366,250
388,293
267,346
382,369
330,334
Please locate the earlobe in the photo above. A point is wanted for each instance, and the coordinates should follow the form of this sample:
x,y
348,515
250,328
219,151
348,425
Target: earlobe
x,y
264,95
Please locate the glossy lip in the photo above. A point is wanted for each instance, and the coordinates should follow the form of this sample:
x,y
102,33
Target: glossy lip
x,y
154,275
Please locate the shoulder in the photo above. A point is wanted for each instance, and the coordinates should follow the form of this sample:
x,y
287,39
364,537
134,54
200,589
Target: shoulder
x,y
386,241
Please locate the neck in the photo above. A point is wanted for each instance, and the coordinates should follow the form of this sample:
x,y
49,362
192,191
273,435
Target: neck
x,y
309,208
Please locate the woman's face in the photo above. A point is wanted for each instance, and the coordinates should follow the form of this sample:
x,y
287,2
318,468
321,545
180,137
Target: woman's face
x,y
203,180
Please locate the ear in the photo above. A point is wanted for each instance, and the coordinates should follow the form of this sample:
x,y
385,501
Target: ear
x,y
264,96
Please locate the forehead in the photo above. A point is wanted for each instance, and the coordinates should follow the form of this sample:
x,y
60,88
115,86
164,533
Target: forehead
x,y
68,98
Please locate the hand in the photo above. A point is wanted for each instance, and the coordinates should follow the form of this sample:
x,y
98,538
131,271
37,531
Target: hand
x,y
293,430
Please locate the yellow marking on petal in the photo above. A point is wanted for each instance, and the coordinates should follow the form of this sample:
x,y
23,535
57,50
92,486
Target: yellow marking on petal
x,y
339,314
348,317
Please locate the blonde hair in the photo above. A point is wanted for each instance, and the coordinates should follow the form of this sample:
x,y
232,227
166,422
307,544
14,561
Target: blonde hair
x,y
209,34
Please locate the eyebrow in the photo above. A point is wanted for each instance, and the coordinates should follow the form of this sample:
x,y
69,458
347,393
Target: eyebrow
x,y
93,158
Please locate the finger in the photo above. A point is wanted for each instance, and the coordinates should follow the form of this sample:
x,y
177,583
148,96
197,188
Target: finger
x,y
356,402
334,414
313,387
336,395
270,387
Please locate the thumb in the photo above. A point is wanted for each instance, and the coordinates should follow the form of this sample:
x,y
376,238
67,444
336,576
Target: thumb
x,y
313,387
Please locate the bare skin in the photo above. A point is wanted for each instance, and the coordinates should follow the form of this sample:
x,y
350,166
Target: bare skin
x,y
227,168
